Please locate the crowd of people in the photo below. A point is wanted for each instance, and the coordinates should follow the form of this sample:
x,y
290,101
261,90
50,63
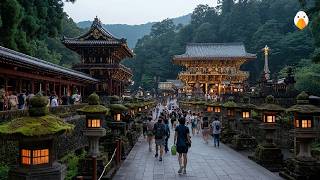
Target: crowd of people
x,y
158,128
12,100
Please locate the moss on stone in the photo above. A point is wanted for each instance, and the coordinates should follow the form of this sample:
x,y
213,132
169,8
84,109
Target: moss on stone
x,y
94,109
35,126
230,104
93,99
118,107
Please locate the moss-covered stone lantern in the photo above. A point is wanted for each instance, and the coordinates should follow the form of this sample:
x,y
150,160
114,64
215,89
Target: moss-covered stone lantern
x,y
268,154
36,134
95,117
303,165
229,121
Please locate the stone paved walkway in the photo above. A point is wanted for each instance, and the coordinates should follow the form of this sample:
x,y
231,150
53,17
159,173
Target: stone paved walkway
x,y
205,163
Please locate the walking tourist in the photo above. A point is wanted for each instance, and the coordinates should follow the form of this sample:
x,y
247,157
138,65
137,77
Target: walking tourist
x,y
29,96
22,98
166,123
183,142
54,100
216,128
2,98
205,129
13,101
150,126
159,131
193,123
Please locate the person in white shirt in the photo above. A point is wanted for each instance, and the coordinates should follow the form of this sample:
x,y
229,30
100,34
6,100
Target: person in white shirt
x,y
54,102
216,130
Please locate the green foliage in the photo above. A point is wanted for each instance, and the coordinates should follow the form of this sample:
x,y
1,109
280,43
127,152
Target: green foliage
x,y
4,169
35,27
72,162
307,78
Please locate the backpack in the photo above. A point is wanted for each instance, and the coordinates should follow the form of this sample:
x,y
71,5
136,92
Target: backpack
x,y
21,99
160,131
217,127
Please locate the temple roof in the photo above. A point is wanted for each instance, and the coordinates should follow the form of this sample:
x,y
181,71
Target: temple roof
x,y
29,61
215,51
97,36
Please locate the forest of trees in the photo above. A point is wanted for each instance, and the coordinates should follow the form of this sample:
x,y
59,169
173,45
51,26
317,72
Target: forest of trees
x,y
254,22
35,27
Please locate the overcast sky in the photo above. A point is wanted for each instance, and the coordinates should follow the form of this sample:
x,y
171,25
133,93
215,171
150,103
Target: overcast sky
x,y
131,11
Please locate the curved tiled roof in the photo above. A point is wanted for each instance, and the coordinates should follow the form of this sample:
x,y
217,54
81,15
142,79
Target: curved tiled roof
x,y
215,50
25,60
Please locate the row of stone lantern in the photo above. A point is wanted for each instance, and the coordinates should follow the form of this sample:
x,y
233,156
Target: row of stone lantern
x,y
267,153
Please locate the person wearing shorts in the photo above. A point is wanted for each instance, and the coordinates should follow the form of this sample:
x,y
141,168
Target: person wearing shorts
x,y
159,131
182,142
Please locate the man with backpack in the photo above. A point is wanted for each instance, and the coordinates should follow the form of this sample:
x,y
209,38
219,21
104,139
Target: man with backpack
x,y
159,131
216,130
22,99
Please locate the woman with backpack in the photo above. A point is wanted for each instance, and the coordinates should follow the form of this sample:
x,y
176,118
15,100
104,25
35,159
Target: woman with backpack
x,y
183,143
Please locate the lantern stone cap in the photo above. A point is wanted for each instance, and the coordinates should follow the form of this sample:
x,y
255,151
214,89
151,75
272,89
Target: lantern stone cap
x,y
35,126
118,107
230,104
303,105
270,105
94,109
93,99
213,104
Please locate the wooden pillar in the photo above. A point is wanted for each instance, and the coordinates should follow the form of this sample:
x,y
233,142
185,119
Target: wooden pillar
x,y
68,90
60,89
6,84
20,85
32,86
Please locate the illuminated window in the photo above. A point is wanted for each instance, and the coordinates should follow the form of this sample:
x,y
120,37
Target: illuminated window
x,y
297,123
94,123
217,109
146,107
25,156
245,114
117,117
34,157
306,124
269,118
139,109
210,109
230,112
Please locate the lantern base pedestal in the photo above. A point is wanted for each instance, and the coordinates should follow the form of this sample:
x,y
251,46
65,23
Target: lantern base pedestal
x,y
86,169
243,141
296,169
55,172
268,156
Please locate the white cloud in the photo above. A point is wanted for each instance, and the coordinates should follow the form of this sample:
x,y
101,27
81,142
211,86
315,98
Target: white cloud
x,y
131,11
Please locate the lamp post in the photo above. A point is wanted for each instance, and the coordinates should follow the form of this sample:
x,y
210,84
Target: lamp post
x,y
305,131
268,154
95,117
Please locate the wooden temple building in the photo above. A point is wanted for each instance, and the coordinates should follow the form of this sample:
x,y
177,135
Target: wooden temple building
x,y
213,68
101,54
19,72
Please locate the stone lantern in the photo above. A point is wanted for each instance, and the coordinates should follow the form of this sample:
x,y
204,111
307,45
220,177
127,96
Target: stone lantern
x,y
95,117
303,165
245,109
268,154
36,135
244,140
213,109
229,121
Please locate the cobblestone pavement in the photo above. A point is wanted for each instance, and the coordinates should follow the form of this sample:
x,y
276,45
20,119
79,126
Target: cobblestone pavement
x,y
205,163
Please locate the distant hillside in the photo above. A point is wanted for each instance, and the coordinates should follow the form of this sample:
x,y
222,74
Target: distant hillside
x,y
134,32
